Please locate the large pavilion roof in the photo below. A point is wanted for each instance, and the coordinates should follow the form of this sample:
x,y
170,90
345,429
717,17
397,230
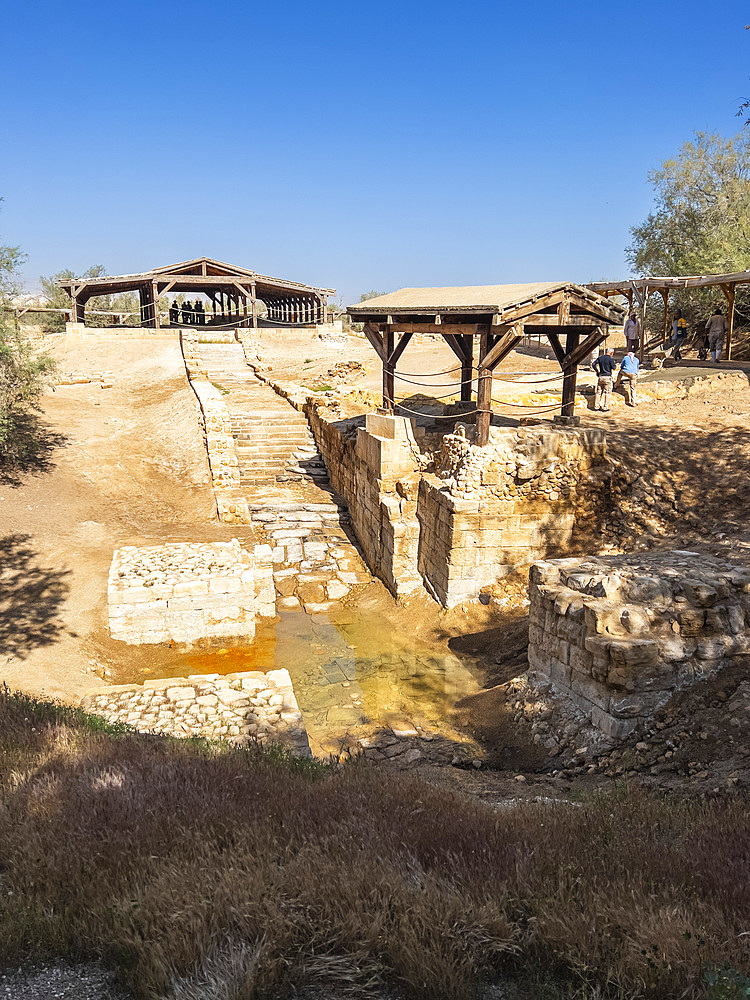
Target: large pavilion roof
x,y
193,276
499,301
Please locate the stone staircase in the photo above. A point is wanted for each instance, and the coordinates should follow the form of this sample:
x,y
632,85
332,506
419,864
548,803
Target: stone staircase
x,y
284,484
273,441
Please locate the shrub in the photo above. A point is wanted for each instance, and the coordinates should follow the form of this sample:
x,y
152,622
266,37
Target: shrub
x,y
200,869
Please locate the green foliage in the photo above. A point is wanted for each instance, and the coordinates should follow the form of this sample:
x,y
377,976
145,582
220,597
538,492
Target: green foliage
x,y
23,374
11,259
56,298
370,295
726,983
701,220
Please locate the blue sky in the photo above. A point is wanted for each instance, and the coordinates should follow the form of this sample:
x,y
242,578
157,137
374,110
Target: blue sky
x,y
350,145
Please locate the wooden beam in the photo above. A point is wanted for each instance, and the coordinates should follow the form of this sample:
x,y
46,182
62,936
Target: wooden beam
x,y
569,374
373,334
399,350
552,319
574,356
557,347
502,347
467,368
484,390
455,343
729,291
155,301
438,329
389,392
665,333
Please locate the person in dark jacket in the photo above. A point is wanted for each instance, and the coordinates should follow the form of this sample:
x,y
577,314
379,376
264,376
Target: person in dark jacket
x,y
604,366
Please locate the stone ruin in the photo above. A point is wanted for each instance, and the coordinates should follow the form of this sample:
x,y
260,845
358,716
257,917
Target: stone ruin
x,y
441,512
618,635
188,591
235,707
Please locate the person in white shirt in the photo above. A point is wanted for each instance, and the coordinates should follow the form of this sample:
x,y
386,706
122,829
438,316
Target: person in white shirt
x,y
632,333
716,328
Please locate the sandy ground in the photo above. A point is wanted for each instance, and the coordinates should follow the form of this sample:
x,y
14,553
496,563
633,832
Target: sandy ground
x,y
127,466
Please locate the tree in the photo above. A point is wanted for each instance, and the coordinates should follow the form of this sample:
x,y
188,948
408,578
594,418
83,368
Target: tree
x,y
701,220
23,374
126,302
701,224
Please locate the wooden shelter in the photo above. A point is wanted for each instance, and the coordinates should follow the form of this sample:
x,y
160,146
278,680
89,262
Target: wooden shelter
x,y
233,291
638,290
574,319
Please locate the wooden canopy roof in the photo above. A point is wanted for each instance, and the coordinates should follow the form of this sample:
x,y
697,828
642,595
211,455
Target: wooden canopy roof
x,y
495,304
199,275
671,283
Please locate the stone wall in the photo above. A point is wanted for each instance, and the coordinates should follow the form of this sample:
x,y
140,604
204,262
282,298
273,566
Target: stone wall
x,y
185,592
231,506
619,634
454,517
375,469
486,511
235,707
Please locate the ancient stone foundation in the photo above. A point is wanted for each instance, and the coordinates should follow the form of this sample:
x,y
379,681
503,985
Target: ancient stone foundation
x,y
619,635
185,591
235,707
444,513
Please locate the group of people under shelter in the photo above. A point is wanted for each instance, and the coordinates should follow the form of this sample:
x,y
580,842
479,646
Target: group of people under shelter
x,y
193,313
710,338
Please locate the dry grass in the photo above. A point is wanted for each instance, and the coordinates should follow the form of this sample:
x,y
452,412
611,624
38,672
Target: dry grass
x,y
203,871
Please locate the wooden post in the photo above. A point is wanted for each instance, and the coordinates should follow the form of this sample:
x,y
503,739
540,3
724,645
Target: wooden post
x,y
729,293
155,298
484,393
665,296
569,376
388,379
254,303
466,368
325,308
644,293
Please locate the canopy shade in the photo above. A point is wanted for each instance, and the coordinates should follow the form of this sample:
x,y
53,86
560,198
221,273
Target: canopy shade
x,y
500,302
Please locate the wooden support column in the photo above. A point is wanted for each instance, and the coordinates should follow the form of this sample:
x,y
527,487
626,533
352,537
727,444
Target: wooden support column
x,y
389,393
665,335
729,293
570,372
254,303
155,298
325,308
467,364
484,391
644,293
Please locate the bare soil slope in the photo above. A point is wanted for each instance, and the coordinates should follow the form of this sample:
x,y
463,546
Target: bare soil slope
x,y
127,466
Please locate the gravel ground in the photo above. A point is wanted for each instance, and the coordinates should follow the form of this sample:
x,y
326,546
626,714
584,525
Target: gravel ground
x,y
60,980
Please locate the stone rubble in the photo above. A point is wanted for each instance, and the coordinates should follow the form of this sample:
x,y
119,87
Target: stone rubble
x,y
236,707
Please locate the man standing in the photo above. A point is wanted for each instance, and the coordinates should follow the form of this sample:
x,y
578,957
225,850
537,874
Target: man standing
x,y
628,373
632,333
716,328
604,367
679,334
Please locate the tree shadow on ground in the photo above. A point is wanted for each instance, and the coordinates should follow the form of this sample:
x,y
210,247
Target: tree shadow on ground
x,y
31,596
29,449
